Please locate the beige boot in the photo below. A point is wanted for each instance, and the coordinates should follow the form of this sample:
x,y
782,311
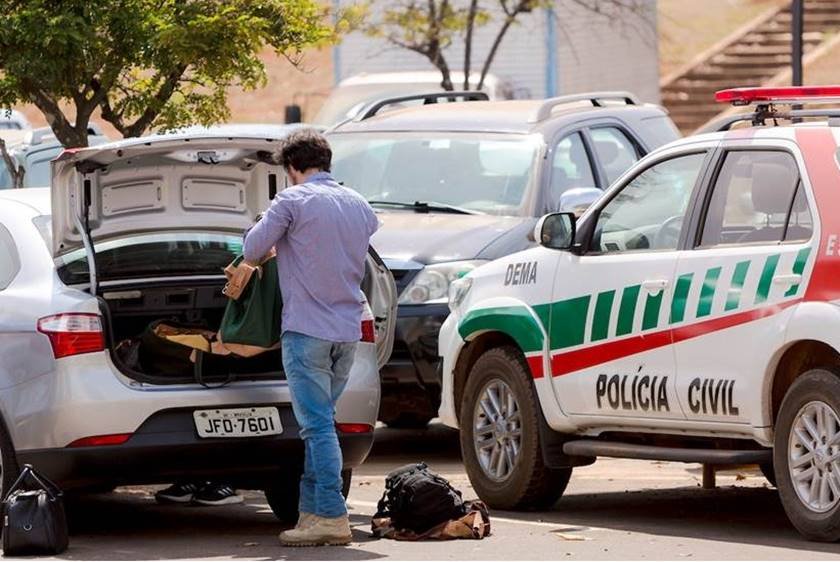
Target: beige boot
x,y
305,520
322,531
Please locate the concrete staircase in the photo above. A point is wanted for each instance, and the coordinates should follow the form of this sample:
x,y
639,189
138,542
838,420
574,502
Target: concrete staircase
x,y
750,57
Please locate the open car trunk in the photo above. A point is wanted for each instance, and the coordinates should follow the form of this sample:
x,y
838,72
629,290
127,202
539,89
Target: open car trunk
x,y
147,225
131,312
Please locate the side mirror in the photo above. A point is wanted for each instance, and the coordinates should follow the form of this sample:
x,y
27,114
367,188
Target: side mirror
x,y
578,199
556,231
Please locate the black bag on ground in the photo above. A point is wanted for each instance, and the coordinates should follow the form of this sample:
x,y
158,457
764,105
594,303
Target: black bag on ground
x,y
34,521
417,499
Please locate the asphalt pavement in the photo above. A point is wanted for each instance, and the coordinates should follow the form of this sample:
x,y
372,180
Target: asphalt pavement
x,y
614,509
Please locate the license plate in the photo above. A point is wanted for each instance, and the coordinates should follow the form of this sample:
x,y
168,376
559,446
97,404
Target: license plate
x,y
238,422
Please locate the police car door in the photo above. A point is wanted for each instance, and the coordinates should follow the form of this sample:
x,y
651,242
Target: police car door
x,y
750,258
610,319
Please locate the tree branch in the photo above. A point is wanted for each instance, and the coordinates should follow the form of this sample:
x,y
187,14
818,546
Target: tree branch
x,y
468,39
497,41
163,94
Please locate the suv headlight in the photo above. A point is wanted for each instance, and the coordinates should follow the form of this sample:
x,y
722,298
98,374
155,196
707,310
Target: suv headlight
x,y
431,285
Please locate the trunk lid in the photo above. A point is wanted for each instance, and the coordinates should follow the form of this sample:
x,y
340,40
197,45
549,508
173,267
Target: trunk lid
x,y
164,182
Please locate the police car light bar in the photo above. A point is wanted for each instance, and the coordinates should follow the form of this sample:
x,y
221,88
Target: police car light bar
x,y
786,95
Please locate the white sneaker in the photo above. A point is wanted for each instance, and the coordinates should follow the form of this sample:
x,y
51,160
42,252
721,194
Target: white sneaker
x,y
322,531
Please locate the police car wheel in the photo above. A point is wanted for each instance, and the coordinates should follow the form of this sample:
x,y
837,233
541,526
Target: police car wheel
x,y
500,437
283,498
806,454
769,472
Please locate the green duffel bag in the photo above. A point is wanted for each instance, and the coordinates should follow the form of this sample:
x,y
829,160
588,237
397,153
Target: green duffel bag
x,y
251,322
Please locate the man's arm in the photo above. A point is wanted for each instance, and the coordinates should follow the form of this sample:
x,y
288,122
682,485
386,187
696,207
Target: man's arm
x,y
273,225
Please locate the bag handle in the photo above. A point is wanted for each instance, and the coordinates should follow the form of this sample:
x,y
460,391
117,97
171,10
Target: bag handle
x,y
198,372
28,471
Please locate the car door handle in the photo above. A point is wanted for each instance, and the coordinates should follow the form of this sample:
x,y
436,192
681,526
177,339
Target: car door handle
x,y
792,279
654,285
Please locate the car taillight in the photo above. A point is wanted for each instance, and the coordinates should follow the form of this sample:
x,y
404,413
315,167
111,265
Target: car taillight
x,y
368,325
354,427
101,440
368,331
73,333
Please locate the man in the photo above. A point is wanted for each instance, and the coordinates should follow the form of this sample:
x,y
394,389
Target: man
x,y
320,231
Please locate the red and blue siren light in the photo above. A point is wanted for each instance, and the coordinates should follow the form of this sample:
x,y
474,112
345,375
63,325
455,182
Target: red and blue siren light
x,y
787,95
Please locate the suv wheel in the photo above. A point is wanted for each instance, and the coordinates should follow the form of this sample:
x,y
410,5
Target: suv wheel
x,y
500,435
283,498
806,454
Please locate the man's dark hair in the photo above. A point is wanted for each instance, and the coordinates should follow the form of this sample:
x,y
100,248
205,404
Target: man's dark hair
x,y
305,149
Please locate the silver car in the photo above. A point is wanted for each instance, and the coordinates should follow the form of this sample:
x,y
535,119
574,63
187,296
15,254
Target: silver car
x,y
130,233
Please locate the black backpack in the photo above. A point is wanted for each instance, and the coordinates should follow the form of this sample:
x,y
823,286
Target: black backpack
x,y
417,499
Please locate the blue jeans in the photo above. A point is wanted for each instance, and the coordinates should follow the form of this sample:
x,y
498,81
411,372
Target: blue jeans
x,y
317,371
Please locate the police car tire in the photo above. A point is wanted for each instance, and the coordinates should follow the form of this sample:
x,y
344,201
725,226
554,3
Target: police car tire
x,y
283,498
531,485
769,472
816,384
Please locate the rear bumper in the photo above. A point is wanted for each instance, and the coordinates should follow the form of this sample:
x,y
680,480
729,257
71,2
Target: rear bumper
x,y
166,448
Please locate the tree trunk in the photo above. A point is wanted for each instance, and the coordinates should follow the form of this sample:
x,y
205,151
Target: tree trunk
x,y
494,48
15,172
468,39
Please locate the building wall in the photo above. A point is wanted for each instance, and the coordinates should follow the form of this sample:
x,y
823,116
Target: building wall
x,y
521,56
591,53
596,53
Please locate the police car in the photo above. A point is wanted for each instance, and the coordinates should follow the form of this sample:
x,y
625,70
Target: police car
x,y
691,314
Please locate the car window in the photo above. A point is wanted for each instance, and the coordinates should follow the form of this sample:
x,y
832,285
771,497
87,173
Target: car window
x,y
486,173
647,213
800,224
751,199
152,255
9,261
570,167
38,172
5,176
615,151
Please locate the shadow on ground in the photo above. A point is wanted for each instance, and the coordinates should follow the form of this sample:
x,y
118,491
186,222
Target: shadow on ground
x,y
130,525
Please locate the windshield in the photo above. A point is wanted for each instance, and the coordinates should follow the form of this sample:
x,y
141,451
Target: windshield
x,y
486,173
151,255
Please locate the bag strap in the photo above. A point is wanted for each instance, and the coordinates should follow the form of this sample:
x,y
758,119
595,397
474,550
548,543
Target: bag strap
x,y
198,372
28,471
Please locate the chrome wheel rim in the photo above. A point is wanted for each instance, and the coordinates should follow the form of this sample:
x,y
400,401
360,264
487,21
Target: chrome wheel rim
x,y
814,456
497,430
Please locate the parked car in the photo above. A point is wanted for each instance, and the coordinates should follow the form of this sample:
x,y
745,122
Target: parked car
x,y
11,119
356,92
132,232
459,184
35,150
690,315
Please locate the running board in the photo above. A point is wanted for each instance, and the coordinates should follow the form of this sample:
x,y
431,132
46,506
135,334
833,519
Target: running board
x,y
617,449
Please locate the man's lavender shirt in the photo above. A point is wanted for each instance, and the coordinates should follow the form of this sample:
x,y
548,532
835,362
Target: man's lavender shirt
x,y
321,232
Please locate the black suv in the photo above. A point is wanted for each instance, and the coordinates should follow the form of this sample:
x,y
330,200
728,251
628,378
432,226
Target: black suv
x,y
460,183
